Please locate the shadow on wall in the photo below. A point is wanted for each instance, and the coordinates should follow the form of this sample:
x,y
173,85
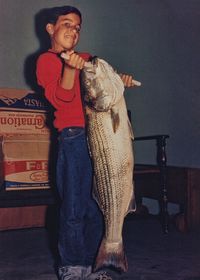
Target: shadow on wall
x,y
31,80
44,41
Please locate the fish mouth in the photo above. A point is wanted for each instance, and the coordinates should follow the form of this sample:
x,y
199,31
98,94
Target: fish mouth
x,y
94,60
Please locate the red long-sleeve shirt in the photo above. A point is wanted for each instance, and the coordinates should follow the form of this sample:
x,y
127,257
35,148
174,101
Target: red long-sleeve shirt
x,y
67,103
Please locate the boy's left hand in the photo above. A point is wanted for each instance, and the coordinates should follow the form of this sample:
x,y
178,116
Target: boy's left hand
x,y
128,80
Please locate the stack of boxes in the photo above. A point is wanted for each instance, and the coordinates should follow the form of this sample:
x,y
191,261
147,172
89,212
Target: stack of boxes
x,y
24,140
24,153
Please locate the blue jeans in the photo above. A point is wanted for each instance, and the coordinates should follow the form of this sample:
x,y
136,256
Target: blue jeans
x,y
80,229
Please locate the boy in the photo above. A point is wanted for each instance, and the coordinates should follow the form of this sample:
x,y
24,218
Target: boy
x,y
81,224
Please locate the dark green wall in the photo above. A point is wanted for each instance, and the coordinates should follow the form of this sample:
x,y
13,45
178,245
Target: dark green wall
x,y
157,41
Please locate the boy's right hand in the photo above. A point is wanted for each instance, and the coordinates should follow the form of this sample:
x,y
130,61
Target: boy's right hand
x,y
73,60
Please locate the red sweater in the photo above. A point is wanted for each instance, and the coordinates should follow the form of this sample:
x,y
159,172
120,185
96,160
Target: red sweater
x,y
67,103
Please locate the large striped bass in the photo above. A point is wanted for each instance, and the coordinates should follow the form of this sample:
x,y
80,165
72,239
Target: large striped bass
x,y
110,144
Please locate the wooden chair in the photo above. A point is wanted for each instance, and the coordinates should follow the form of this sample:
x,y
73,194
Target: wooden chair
x,y
151,180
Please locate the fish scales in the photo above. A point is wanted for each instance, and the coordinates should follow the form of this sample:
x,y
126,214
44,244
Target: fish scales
x,y
110,167
104,166
103,171
110,144
109,164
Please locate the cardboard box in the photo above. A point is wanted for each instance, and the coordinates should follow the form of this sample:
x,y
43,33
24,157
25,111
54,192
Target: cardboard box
x,y
24,162
23,100
23,112
17,122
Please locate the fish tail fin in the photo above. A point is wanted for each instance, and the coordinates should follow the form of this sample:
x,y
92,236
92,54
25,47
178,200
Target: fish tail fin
x,y
111,254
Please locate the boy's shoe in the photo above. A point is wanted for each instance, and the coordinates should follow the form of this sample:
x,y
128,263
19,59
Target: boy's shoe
x,y
71,272
100,275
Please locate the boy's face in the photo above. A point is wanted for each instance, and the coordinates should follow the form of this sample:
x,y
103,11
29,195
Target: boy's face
x,y
65,33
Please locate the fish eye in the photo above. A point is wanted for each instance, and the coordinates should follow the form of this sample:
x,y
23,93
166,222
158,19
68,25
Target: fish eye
x,y
91,70
88,83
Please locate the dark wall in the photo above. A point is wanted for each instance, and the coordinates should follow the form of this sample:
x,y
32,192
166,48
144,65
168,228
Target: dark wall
x,y
157,41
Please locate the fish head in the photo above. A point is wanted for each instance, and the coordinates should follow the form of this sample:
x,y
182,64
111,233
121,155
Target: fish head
x,y
102,85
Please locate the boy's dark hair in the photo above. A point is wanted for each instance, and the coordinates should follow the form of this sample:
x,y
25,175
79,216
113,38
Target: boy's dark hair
x,y
52,14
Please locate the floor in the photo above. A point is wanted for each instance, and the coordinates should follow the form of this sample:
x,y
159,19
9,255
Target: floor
x,y
29,254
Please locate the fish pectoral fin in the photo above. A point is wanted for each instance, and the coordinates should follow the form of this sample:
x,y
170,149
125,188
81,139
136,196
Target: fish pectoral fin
x,y
115,120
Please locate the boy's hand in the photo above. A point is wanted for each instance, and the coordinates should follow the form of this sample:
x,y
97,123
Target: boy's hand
x,y
129,81
73,60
